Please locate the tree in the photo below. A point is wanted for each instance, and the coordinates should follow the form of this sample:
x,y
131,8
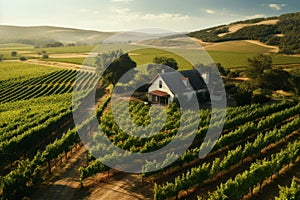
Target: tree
x,y
45,56
257,65
276,79
295,81
170,62
22,58
243,95
105,59
14,53
256,70
117,69
222,70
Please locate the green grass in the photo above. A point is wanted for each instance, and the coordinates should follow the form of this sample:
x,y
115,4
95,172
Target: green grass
x,y
66,49
15,46
230,55
238,46
11,70
30,51
78,61
234,59
145,56
227,59
284,59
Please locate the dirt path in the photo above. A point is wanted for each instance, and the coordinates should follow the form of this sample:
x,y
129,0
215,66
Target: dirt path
x,y
235,27
273,49
121,186
62,65
66,186
66,180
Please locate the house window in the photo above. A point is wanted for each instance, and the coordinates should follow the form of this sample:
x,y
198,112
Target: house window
x,y
160,84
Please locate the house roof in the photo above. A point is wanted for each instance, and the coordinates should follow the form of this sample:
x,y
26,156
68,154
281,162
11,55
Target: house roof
x,y
159,93
176,83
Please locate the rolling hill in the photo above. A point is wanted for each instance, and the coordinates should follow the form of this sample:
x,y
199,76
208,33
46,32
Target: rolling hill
x,y
279,31
41,35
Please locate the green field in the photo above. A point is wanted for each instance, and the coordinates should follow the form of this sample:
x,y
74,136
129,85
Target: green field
x,y
78,61
238,46
229,54
140,56
66,49
15,46
145,56
234,59
10,70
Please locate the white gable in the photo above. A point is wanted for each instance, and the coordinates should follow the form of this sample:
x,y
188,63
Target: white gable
x,y
155,85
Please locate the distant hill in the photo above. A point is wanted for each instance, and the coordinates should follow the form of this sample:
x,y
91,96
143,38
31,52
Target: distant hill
x,y
41,35
282,31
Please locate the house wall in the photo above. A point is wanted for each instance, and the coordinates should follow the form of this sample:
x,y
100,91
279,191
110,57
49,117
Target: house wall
x,y
164,88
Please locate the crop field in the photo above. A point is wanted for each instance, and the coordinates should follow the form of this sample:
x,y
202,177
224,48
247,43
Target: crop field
x,y
234,59
243,145
255,139
78,61
17,70
230,54
259,147
15,46
238,46
35,111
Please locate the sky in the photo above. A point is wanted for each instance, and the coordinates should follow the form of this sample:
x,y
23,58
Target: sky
x,y
128,15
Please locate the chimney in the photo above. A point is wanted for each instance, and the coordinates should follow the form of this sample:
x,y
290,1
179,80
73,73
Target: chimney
x,y
163,71
185,81
205,77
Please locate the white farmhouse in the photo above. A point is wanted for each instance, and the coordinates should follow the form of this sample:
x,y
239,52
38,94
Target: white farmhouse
x,y
166,87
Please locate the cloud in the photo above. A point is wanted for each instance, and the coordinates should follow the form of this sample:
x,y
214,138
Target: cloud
x,y
164,16
121,1
121,11
210,11
255,16
276,7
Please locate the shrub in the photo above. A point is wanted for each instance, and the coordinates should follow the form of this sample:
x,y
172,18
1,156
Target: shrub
x,y
14,53
260,98
22,58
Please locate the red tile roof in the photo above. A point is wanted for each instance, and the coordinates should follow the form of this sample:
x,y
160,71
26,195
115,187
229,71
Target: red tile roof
x,y
159,93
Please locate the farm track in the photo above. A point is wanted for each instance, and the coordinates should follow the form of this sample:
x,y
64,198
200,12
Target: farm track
x,y
66,180
56,64
121,186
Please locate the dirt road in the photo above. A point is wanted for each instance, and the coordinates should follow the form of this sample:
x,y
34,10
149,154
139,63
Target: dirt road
x,y
66,186
121,186
61,65
66,180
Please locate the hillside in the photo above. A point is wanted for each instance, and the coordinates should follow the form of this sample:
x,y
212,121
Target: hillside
x,y
41,35
279,31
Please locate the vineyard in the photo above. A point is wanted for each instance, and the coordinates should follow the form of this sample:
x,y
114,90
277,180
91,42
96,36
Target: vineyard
x,y
258,146
36,125
256,143
57,82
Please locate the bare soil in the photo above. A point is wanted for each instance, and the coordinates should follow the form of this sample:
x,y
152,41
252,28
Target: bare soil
x,y
66,180
235,27
120,186
61,65
273,49
66,184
